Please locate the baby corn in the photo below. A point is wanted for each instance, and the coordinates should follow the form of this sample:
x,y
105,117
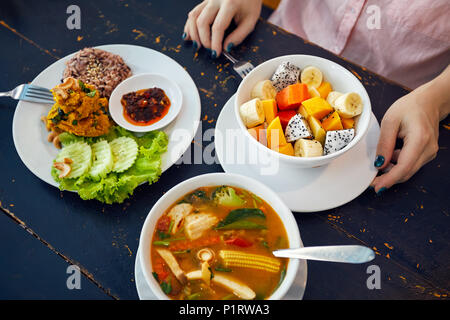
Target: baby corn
x,y
241,259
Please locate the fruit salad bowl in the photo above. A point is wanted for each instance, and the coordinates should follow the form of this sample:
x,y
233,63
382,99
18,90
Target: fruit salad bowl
x,y
341,80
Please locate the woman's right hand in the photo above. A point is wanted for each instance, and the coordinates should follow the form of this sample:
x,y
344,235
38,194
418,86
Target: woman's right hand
x,y
207,22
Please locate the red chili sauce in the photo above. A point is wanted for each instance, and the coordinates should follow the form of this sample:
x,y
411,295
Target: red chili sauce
x,y
145,107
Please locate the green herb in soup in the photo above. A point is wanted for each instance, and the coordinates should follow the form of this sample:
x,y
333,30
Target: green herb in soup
x,y
216,243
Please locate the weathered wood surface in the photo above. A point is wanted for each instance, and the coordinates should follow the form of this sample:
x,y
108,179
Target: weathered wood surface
x,y
407,226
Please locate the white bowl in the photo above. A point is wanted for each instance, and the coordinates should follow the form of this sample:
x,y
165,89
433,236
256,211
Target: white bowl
x,y
217,179
145,81
341,80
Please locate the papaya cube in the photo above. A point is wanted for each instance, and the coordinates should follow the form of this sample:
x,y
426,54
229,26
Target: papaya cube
x,y
270,109
324,89
259,133
275,134
285,116
317,107
292,96
317,130
286,149
253,133
332,123
348,123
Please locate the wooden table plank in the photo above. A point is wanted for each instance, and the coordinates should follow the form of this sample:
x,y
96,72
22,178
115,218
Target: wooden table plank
x,y
407,226
30,270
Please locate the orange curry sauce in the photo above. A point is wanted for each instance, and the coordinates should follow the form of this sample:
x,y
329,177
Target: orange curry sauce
x,y
252,241
145,107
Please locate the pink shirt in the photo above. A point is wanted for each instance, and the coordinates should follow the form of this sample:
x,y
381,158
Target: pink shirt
x,y
402,40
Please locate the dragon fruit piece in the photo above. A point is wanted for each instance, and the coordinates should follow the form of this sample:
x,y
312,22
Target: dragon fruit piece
x,y
285,75
337,140
297,128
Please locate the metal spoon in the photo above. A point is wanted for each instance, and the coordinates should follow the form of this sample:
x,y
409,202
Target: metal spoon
x,y
346,254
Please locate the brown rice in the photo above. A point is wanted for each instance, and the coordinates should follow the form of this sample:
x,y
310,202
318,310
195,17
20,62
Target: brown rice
x,y
97,67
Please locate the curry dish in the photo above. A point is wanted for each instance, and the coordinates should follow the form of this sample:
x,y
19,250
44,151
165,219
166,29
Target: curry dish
x,y
78,109
216,243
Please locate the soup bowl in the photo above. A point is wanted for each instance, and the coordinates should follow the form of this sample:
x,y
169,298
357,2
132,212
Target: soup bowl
x,y
341,80
217,179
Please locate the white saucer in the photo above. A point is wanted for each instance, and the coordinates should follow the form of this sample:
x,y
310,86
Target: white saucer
x,y
296,291
145,81
303,190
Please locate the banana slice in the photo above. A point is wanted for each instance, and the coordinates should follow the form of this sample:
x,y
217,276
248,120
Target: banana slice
x,y
252,113
264,90
308,148
349,105
311,76
332,96
313,92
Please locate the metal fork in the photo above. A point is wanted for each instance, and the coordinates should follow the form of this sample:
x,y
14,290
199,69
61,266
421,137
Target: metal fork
x,y
242,68
31,93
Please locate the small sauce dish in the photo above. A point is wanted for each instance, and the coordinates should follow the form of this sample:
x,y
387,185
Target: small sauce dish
x,y
143,84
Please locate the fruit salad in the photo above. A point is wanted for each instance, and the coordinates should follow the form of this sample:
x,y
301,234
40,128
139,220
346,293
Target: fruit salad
x,y
298,113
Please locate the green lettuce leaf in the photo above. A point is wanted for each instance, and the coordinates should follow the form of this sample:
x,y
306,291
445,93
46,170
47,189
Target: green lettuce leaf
x,y
116,187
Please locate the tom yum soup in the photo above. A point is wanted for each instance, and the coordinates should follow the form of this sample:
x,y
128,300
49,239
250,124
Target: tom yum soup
x,y
145,107
216,243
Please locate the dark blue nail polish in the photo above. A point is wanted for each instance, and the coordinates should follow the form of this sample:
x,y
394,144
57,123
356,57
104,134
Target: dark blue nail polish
x,y
383,189
195,45
184,35
230,46
213,54
379,161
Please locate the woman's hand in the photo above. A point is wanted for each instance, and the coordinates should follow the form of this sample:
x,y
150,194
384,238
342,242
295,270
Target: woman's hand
x,y
413,118
207,22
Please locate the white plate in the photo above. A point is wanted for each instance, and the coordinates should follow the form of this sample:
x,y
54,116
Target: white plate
x,y
303,190
296,291
145,81
30,135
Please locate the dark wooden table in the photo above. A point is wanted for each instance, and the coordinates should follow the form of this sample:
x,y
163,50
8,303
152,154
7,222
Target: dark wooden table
x,y
43,231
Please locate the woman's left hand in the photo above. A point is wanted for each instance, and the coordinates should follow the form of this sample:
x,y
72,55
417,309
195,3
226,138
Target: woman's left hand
x,y
416,122
414,118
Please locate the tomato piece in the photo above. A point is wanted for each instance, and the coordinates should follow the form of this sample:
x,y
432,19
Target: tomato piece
x,y
163,224
240,242
162,275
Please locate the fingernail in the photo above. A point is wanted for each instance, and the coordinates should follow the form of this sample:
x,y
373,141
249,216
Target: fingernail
x,y
230,46
195,45
213,54
383,189
379,161
184,35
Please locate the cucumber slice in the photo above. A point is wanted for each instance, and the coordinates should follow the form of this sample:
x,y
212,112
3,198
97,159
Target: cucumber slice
x,y
81,155
102,160
125,151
